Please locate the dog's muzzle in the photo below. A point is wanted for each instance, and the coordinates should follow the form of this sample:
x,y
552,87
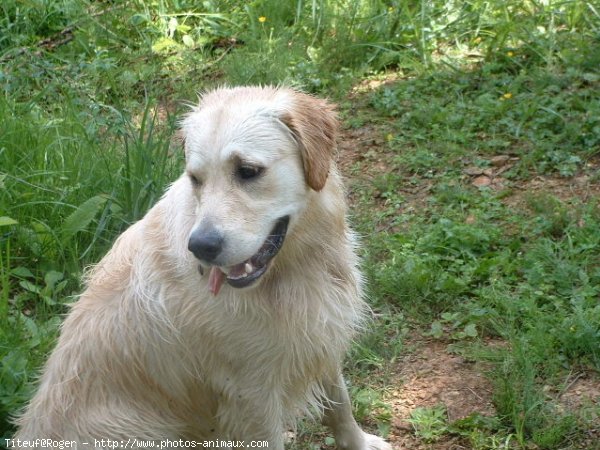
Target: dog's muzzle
x,y
207,246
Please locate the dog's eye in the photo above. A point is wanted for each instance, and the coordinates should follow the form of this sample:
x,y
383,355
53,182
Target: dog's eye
x,y
195,181
249,172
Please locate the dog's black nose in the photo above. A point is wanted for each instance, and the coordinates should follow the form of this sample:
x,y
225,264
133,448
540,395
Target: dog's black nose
x,y
206,244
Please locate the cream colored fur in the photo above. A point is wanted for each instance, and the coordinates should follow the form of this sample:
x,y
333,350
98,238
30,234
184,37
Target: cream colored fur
x,y
148,352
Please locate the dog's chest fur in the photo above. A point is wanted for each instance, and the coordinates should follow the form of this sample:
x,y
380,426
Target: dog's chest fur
x,y
285,335
285,340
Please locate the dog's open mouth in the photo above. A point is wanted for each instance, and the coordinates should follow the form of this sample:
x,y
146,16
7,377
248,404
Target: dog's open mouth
x,y
250,270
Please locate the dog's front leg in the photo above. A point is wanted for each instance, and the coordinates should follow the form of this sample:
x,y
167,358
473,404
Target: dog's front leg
x,y
251,422
338,416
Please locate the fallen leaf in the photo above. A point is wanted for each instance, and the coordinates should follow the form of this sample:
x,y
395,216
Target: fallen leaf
x,y
499,160
482,181
473,171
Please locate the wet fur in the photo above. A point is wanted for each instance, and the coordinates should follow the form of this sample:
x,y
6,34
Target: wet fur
x,y
147,352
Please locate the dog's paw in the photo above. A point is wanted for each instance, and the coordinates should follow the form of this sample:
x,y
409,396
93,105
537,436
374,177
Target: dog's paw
x,y
373,442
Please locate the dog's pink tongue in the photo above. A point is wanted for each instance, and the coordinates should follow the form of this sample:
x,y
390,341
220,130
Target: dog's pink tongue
x,y
215,280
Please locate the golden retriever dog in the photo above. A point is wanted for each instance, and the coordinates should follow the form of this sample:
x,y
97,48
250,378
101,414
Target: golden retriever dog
x,y
224,313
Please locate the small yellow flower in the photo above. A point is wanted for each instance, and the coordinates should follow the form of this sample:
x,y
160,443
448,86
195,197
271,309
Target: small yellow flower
x,y
477,40
510,54
391,9
507,96
389,137
262,19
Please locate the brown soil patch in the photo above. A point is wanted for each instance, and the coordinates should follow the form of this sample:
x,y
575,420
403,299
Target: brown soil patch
x,y
580,188
362,146
362,158
431,376
581,391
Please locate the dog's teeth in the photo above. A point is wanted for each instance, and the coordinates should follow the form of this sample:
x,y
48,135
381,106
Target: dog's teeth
x,y
248,268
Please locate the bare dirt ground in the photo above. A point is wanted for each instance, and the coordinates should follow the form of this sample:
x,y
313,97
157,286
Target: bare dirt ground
x,y
431,375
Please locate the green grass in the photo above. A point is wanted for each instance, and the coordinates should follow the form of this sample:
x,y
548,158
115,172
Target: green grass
x,y
468,263
90,96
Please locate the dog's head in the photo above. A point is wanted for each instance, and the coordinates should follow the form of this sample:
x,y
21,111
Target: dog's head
x,y
253,156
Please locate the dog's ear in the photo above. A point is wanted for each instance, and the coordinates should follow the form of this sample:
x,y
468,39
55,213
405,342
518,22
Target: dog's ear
x,y
314,125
